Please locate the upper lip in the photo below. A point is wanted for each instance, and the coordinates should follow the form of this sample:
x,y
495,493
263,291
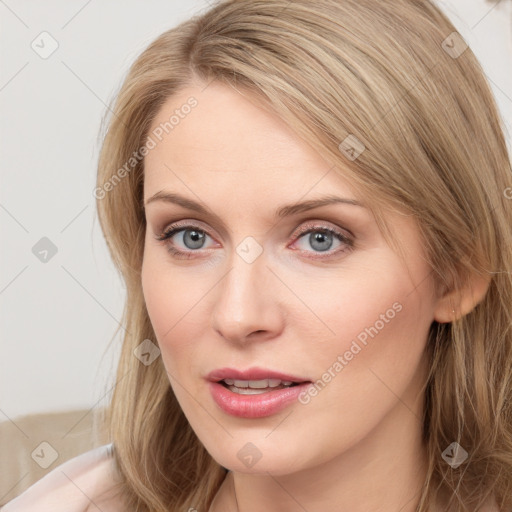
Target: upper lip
x,y
254,373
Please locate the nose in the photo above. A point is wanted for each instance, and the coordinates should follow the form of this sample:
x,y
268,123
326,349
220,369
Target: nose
x,y
247,305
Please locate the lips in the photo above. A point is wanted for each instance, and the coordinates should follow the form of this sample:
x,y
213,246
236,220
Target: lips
x,y
254,374
244,393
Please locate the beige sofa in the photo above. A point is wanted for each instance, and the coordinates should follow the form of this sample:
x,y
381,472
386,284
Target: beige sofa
x,y
31,446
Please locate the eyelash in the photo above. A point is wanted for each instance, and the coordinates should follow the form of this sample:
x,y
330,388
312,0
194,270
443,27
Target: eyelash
x,y
309,228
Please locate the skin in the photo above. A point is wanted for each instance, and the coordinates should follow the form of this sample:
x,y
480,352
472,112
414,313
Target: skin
x,y
287,311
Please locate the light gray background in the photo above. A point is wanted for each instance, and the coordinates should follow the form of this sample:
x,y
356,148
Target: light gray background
x,y
58,317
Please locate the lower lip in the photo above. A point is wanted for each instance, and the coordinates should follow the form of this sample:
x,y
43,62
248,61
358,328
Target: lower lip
x,y
255,406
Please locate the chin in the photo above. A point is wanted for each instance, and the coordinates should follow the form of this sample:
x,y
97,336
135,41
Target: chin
x,y
261,457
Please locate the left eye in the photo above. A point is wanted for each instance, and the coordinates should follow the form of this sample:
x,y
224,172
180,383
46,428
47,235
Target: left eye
x,y
320,238
192,237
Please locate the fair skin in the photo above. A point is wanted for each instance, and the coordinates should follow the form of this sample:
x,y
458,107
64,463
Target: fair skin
x,y
356,445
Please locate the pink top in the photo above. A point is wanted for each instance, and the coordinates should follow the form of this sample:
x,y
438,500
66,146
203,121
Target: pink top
x,y
76,485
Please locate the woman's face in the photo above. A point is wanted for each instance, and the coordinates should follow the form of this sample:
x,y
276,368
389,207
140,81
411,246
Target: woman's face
x,y
276,292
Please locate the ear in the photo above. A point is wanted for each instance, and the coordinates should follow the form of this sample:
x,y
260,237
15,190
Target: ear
x,y
456,303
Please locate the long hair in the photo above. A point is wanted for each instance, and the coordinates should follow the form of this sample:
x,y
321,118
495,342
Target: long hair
x,y
389,92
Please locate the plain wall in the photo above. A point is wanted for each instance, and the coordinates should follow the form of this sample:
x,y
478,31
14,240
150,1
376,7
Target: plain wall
x,y
58,316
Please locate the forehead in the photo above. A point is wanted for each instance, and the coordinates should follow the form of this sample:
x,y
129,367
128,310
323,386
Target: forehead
x,y
229,141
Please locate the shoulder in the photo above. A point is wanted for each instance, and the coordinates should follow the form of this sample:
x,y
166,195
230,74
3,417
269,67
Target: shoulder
x,y
77,485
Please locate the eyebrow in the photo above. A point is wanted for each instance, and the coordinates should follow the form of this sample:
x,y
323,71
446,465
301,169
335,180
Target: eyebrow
x,y
283,211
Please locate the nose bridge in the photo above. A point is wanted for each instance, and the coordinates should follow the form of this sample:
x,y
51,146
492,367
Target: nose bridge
x,y
246,300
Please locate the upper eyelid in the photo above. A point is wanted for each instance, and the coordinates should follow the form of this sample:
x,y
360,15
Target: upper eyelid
x,y
184,224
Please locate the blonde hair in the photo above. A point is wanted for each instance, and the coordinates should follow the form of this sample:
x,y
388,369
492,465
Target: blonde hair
x,y
383,74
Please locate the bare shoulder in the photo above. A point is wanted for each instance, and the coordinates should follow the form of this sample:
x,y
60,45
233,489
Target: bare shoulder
x,y
78,485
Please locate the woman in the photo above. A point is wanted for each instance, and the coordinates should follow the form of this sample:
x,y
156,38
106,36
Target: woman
x,y
310,205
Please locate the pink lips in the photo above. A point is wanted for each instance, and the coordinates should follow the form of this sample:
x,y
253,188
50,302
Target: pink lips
x,y
258,405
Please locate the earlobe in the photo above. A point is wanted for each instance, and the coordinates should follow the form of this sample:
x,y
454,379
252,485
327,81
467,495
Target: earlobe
x,y
457,303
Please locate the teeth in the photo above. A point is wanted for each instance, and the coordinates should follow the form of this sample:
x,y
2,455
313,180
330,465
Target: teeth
x,y
257,384
247,391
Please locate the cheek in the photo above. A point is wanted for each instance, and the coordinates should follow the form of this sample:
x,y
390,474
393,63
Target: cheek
x,y
369,303
379,321
174,302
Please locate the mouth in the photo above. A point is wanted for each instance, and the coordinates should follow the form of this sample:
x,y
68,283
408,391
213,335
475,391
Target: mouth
x,y
256,392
